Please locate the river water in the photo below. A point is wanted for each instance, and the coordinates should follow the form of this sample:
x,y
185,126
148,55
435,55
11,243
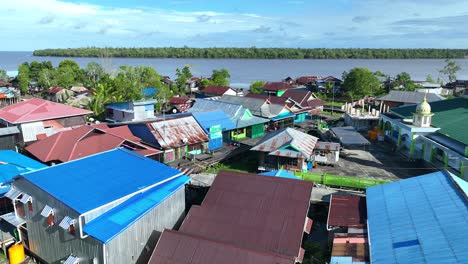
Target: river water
x,y
244,71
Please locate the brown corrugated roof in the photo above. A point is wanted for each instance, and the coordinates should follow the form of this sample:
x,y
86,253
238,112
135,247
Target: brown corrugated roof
x,y
177,247
315,103
347,211
54,89
216,90
277,86
176,132
260,213
179,100
355,246
303,80
84,141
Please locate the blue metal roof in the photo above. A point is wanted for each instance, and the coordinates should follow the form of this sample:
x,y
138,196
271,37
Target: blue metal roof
x,y
123,106
279,173
213,118
345,260
418,220
93,181
15,164
107,226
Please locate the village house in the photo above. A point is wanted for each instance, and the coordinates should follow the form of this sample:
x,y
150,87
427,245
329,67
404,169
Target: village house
x,y
179,104
12,164
260,219
276,88
215,123
85,141
247,125
434,132
307,80
9,137
214,90
138,110
178,136
58,94
286,149
398,98
36,116
104,208
418,220
280,115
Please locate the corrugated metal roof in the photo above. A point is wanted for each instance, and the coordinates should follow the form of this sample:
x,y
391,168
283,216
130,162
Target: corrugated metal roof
x,y
216,90
236,112
349,136
252,211
347,211
213,118
13,219
110,224
276,86
418,220
301,143
66,222
36,109
84,141
449,115
100,179
4,131
71,260
280,173
408,97
177,247
176,132
14,163
258,107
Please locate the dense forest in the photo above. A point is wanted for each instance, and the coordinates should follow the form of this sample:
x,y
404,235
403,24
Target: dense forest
x,y
256,53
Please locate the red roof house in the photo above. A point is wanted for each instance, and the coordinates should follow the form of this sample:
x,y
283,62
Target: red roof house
x,y
34,117
277,88
347,211
214,90
85,141
305,80
250,212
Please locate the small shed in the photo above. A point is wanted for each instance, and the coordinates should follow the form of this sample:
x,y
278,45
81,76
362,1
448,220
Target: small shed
x,y
214,123
104,208
9,137
349,137
137,110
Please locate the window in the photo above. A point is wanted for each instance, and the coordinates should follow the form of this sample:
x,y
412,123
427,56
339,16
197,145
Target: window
x,y
48,212
68,224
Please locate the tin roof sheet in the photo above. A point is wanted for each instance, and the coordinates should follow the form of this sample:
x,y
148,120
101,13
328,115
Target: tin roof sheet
x,y
180,131
349,136
276,86
409,97
258,107
4,131
418,220
177,247
36,109
256,212
110,224
100,179
216,90
347,211
289,138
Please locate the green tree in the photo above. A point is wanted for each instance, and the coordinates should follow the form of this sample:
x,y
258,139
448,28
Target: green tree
x,y
47,78
99,99
404,79
23,78
65,77
94,73
451,70
429,79
257,87
3,75
220,77
181,81
360,82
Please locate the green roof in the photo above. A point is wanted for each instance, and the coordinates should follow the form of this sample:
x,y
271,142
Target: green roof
x,y
450,115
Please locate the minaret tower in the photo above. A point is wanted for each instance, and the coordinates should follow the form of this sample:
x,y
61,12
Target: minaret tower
x,y
423,115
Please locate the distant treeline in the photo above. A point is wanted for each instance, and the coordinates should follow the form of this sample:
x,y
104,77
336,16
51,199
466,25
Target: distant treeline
x,y
256,53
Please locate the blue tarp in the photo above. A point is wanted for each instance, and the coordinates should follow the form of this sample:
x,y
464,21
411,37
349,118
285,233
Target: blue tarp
x,y
87,183
419,220
280,173
115,221
13,164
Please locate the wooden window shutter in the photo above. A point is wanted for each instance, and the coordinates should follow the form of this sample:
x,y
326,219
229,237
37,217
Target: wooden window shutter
x,y
50,219
72,229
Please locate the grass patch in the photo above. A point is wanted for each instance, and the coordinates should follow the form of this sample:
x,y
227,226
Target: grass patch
x,y
244,163
334,103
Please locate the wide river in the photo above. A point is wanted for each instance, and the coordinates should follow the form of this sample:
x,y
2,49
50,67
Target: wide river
x,y
244,71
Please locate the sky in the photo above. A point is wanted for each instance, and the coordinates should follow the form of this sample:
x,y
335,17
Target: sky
x,y
27,25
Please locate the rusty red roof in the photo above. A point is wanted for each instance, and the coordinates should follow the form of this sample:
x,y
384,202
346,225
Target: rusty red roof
x,y
177,247
216,90
176,132
54,89
84,141
303,80
36,109
277,86
179,100
271,99
315,103
259,213
299,96
347,211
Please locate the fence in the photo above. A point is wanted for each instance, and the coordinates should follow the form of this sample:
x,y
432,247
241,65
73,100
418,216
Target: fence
x,y
339,181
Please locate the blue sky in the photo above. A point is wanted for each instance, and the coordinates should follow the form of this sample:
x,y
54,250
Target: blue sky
x,y
33,24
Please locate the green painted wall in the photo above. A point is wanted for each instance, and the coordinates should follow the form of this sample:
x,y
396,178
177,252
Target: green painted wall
x,y
257,131
413,141
280,92
399,137
241,133
300,117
